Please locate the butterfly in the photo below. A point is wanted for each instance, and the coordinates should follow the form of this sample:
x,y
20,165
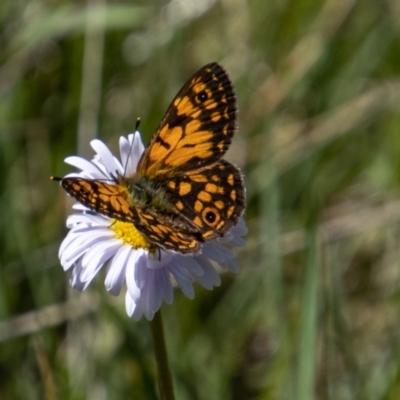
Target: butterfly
x,y
183,193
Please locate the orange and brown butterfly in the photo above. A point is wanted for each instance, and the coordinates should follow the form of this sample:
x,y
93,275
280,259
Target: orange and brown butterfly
x,y
182,194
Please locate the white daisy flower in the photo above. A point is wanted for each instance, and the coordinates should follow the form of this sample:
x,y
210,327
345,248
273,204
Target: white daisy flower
x,y
95,241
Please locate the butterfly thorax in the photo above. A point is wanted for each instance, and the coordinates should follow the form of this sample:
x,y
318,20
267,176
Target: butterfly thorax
x,y
145,192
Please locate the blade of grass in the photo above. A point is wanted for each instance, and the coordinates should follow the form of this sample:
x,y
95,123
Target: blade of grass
x,y
308,329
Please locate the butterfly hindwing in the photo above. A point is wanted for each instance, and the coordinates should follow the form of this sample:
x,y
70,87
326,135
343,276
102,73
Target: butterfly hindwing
x,y
211,199
169,231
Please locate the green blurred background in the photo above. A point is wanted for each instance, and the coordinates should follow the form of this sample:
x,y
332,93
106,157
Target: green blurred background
x,y
314,312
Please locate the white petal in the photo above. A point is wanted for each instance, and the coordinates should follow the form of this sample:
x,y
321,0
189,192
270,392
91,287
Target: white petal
x,y
75,280
67,242
141,270
216,252
132,148
165,286
98,163
73,175
86,166
79,243
189,263
231,265
115,277
87,219
151,294
138,313
124,150
95,258
159,260
101,249
240,229
136,152
106,157
135,260
236,241
75,247
210,277
183,279
130,306
158,287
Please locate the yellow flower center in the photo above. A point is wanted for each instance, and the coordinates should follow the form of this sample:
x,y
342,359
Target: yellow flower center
x,y
128,233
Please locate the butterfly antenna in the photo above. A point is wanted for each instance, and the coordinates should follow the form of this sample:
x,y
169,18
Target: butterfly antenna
x,y
130,148
137,124
55,178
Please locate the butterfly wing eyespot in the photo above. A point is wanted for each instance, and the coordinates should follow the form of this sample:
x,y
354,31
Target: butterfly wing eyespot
x,y
210,216
198,126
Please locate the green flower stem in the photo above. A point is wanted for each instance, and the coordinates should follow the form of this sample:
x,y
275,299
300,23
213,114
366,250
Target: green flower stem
x,y
164,374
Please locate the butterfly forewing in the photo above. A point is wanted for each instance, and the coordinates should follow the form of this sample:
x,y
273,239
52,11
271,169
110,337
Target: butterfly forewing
x,y
198,126
105,198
